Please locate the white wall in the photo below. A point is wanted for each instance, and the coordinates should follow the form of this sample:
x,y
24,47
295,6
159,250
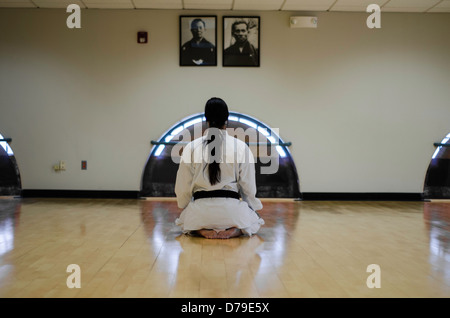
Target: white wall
x,y
362,107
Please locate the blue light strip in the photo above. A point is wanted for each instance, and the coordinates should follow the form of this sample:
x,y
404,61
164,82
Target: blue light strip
x,y
198,118
444,141
6,147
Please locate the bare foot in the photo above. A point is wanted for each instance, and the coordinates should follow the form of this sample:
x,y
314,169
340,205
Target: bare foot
x,y
226,234
210,234
229,233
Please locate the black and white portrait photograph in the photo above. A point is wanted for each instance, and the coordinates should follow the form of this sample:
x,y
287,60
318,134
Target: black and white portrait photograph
x,y
241,41
198,42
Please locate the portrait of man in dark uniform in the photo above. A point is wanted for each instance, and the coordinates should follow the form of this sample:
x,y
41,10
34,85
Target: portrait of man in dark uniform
x,y
198,51
242,52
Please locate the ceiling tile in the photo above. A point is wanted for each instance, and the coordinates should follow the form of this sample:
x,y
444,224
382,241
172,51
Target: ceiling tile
x,y
444,6
108,4
57,3
208,4
237,5
409,5
307,5
17,4
158,4
258,4
355,5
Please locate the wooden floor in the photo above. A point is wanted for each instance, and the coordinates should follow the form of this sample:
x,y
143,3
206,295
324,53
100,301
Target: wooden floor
x,y
131,248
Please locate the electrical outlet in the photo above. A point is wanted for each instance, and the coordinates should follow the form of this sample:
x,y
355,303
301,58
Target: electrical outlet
x,y
83,165
62,165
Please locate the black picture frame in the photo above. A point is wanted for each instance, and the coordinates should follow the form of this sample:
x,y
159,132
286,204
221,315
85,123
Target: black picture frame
x,y
203,53
249,54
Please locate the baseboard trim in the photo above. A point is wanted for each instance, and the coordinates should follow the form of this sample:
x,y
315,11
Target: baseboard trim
x,y
92,194
361,196
305,196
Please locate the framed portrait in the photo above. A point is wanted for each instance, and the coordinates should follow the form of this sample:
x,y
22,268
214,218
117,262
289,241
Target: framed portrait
x,y
198,40
241,41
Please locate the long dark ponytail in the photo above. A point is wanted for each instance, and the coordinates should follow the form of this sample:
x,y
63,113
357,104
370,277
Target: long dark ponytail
x,y
216,114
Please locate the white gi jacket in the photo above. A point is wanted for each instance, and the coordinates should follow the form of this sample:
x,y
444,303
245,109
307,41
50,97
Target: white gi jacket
x,y
237,174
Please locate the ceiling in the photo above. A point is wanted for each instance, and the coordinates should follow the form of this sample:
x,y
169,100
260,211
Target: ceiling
x,y
421,6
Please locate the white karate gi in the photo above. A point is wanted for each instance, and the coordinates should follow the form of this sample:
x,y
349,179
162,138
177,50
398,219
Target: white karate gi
x,y
237,174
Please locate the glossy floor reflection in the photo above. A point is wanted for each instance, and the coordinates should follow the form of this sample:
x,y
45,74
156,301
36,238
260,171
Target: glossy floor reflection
x,y
131,248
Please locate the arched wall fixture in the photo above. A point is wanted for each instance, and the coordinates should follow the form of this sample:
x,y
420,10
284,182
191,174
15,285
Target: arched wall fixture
x,y
437,179
10,183
272,136
159,175
4,144
439,146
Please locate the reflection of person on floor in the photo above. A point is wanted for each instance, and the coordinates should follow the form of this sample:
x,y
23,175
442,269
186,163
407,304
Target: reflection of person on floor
x,y
214,171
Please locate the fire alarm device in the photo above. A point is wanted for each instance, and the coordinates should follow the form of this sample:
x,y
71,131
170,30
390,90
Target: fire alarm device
x,y
142,37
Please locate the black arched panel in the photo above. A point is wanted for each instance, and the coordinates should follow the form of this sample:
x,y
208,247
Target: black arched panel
x,y
437,180
10,183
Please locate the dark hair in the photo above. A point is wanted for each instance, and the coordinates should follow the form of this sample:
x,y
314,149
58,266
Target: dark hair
x,y
233,26
216,114
195,21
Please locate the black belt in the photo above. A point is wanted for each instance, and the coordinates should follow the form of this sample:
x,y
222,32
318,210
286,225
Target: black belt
x,y
216,194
